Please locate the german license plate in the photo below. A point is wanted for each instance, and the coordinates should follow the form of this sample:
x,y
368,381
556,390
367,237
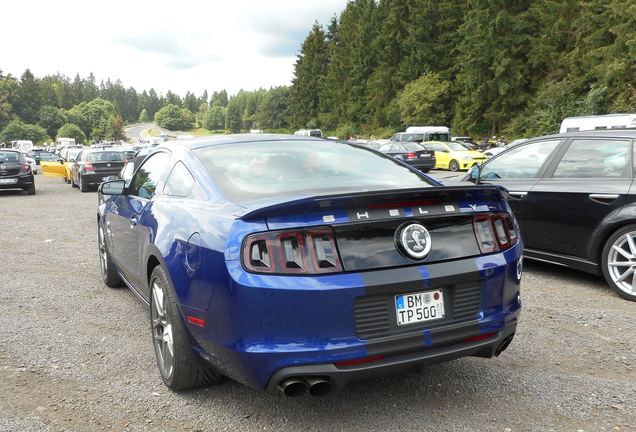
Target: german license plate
x,y
8,181
419,307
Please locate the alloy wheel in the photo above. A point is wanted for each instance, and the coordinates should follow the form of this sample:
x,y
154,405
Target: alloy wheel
x,y
162,331
621,263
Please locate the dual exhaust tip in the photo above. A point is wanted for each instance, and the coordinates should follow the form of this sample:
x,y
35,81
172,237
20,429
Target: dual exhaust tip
x,y
296,387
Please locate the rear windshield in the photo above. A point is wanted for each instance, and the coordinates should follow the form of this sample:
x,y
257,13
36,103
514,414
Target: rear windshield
x,y
9,156
107,156
246,171
413,147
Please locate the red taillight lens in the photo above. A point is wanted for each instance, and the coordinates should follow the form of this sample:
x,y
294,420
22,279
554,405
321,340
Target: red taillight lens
x,y
88,166
309,251
25,168
358,361
411,155
494,232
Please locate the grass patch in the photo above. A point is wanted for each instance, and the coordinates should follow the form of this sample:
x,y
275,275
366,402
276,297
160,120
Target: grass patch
x,y
197,132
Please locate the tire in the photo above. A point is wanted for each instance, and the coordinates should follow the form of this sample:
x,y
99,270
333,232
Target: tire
x,y
453,165
425,170
30,190
623,284
82,186
109,274
181,370
72,181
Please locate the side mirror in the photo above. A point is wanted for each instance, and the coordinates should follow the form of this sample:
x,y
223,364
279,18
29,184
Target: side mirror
x,y
113,187
61,160
475,173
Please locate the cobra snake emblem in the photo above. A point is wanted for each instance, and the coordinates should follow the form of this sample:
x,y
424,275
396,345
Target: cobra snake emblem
x,y
417,240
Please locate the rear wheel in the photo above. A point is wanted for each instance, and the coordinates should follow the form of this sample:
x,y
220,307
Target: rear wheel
x,y
453,165
109,275
619,262
82,184
179,367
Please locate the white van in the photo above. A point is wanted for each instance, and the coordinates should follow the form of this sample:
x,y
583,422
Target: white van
x,y
431,133
598,122
25,146
309,132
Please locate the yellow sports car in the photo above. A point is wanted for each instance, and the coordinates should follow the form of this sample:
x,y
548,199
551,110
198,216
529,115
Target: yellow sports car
x,y
454,156
63,166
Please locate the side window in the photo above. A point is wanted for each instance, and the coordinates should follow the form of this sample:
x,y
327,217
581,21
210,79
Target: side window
x,y
180,182
522,161
395,137
144,183
595,158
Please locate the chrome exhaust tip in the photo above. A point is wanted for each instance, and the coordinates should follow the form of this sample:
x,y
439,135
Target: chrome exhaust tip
x,y
292,387
319,387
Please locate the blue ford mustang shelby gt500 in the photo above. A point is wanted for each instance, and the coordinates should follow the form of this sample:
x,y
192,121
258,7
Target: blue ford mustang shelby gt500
x,y
297,263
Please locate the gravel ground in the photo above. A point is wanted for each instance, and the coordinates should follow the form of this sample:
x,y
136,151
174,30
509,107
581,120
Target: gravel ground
x,y
76,355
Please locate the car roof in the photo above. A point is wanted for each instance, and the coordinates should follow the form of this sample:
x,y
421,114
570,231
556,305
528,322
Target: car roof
x,y
614,133
236,139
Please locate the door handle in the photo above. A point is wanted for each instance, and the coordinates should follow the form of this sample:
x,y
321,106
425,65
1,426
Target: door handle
x,y
517,195
603,198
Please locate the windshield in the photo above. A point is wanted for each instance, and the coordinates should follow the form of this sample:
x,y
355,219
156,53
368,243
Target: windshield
x,y
456,147
280,168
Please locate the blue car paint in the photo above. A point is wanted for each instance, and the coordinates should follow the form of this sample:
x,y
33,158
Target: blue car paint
x,y
258,324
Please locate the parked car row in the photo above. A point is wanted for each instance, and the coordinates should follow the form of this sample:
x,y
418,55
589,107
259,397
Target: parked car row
x,y
15,171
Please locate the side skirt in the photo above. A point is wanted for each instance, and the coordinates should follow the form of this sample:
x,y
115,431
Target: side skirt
x,y
132,288
563,260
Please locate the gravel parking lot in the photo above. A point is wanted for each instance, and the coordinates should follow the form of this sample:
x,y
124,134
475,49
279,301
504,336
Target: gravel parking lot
x,y
76,355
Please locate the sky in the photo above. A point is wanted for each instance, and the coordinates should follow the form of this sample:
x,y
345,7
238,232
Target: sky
x,y
176,45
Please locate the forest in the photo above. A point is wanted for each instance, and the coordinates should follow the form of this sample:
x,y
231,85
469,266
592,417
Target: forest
x,y
484,67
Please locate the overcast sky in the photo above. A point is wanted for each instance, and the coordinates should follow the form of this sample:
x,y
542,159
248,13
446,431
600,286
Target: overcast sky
x,y
173,45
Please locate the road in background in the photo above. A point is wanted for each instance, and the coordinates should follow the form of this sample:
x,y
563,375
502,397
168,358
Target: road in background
x,y
76,355
136,131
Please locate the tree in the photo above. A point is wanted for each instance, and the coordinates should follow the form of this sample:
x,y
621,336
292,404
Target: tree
x,y
8,94
273,111
27,104
233,116
51,119
425,101
143,116
215,118
70,130
18,130
118,128
309,75
219,98
95,118
174,118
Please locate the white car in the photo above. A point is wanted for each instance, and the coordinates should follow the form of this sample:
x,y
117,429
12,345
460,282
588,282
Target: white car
x,y
496,150
34,165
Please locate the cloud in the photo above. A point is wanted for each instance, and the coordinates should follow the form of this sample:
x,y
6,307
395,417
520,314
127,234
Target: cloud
x,y
174,49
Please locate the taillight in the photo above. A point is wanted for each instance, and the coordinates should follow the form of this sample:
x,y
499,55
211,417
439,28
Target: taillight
x,y
308,251
88,166
25,168
494,232
411,155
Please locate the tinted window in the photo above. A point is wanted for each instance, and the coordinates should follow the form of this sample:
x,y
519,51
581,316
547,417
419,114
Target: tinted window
x,y
277,168
439,137
595,158
414,137
107,156
522,161
9,156
180,182
147,177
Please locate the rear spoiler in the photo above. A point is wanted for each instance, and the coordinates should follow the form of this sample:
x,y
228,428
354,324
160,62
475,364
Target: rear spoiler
x,y
378,199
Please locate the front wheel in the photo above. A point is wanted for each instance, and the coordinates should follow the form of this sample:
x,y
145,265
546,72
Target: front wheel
x,y
619,262
109,274
453,165
180,369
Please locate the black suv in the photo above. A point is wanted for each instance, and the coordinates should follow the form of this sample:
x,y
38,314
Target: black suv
x,y
15,172
574,196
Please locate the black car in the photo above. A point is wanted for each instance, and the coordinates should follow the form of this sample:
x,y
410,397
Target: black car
x,y
411,153
15,172
94,166
574,196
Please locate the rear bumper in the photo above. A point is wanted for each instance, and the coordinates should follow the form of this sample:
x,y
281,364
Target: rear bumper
x,y
339,376
23,182
262,328
97,178
423,164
